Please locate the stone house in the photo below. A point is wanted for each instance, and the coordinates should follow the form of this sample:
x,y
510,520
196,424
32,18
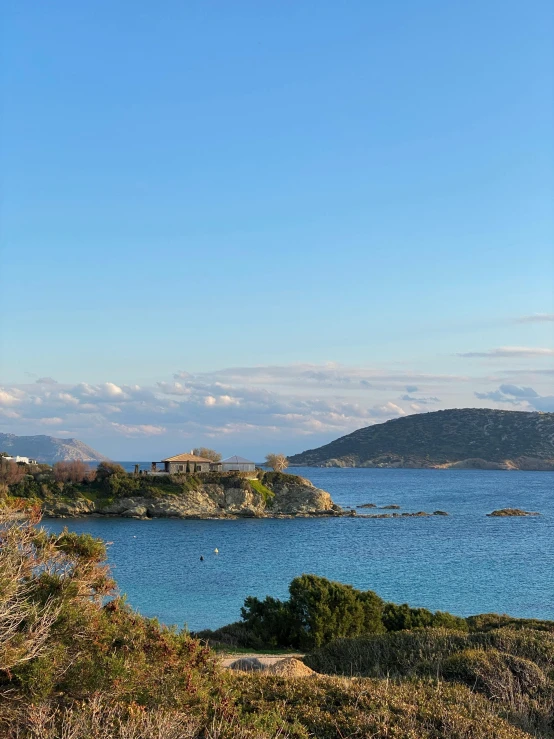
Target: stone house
x,y
182,464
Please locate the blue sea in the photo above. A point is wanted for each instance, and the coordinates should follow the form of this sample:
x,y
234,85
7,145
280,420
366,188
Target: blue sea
x,y
465,563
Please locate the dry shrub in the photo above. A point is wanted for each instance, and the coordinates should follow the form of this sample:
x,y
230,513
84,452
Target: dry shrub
x,y
73,471
513,668
100,718
403,653
10,472
331,708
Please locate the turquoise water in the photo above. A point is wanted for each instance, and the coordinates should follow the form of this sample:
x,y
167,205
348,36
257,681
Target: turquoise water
x,y
465,563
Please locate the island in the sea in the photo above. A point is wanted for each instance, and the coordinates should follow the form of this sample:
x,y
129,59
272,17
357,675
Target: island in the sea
x,y
73,488
459,438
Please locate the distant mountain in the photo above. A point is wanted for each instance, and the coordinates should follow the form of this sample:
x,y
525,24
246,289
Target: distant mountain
x,y
48,448
478,438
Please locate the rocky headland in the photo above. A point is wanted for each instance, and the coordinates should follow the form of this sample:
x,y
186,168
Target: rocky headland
x,y
49,449
277,496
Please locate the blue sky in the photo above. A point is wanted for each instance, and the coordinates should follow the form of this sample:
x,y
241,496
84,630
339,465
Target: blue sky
x,y
263,194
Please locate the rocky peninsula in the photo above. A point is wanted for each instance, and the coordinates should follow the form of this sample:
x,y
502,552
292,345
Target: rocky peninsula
x,y
204,496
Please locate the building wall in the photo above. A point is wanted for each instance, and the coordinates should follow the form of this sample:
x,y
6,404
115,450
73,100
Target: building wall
x,y
229,467
175,468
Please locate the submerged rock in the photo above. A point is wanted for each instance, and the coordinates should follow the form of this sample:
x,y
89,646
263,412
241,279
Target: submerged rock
x,y
504,512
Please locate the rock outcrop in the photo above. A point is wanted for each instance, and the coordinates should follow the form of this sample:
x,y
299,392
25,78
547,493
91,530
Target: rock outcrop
x,y
299,496
507,512
291,496
62,508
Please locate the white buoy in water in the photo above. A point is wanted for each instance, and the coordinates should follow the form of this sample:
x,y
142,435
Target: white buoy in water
x,y
216,551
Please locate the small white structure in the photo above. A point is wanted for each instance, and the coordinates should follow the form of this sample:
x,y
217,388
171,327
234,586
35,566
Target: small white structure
x,y
237,464
21,460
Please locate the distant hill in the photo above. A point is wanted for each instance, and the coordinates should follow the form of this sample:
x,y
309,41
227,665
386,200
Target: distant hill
x,y
48,448
470,438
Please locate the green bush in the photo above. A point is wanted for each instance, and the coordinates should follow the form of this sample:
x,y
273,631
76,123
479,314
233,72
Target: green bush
x,y
318,610
488,621
279,478
401,617
270,621
395,654
407,653
236,634
106,470
497,674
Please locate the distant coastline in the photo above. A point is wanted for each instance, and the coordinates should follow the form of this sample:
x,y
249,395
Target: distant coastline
x,y
459,438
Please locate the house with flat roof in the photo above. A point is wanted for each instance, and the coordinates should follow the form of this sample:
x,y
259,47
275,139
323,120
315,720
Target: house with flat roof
x,y
20,460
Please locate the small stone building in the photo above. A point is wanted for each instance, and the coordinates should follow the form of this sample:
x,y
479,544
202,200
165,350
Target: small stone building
x,y
183,464
236,464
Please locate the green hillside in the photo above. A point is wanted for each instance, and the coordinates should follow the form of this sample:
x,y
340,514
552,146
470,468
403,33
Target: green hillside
x,y
478,438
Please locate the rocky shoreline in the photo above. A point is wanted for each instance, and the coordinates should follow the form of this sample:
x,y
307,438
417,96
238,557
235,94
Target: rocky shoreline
x,y
525,464
296,497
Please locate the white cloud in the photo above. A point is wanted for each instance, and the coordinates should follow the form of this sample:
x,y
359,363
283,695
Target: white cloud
x,y
50,421
139,430
525,398
512,351
328,375
537,318
389,409
12,396
280,402
7,413
425,401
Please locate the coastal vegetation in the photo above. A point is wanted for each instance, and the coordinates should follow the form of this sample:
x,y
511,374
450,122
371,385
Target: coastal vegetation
x,y
76,661
276,462
319,611
206,453
73,488
465,438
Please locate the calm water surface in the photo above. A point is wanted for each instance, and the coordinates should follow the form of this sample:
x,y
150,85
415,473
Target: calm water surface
x,y
465,563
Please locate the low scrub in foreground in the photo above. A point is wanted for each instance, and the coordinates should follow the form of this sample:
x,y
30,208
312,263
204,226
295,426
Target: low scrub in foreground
x,y
76,662
514,669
